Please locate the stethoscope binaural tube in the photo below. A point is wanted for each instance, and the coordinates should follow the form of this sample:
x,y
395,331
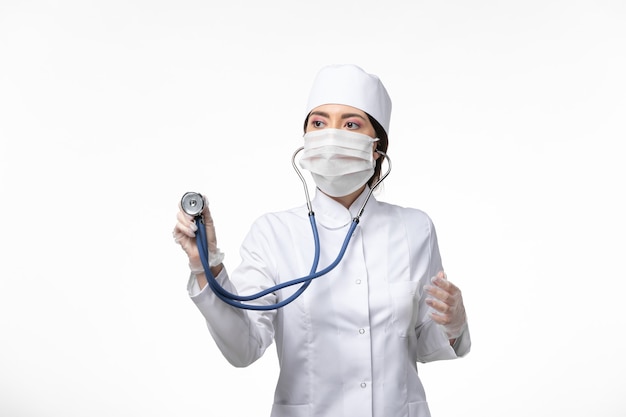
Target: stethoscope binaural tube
x,y
192,207
306,188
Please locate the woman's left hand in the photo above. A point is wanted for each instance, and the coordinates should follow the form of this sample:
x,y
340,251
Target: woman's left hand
x,y
446,299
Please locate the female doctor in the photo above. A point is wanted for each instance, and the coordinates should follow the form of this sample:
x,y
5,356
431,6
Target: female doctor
x,y
348,346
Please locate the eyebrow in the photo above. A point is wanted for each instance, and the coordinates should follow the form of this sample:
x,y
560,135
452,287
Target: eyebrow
x,y
343,116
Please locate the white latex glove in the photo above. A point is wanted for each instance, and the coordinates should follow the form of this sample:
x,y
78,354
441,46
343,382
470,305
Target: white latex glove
x,y
185,235
446,299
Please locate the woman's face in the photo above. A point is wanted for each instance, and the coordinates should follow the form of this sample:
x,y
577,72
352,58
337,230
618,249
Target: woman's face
x,y
339,116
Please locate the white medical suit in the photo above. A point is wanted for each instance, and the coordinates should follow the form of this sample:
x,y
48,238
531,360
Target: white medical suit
x,y
348,346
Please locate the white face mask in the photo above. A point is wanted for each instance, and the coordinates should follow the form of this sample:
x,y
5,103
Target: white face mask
x,y
340,161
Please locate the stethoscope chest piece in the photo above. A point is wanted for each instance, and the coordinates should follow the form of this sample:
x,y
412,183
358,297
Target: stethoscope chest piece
x,y
192,203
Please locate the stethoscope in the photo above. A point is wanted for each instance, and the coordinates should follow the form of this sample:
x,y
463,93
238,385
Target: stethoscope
x,y
193,203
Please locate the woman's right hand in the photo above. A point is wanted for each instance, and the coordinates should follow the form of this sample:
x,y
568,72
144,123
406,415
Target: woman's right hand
x,y
185,235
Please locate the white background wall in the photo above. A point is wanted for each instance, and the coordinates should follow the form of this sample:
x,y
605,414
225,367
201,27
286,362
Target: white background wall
x,y
508,130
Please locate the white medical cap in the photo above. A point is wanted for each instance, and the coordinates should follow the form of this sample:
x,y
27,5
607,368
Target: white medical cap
x,y
351,86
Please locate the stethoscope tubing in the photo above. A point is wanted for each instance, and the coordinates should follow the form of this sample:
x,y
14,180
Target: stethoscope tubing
x,y
235,300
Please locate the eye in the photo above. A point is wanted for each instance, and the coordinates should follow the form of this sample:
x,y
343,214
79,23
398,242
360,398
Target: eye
x,y
352,125
317,124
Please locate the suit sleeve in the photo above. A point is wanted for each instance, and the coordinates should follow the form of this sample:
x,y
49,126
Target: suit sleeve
x,y
241,335
432,342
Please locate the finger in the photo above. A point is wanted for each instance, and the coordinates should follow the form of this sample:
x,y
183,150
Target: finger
x,y
438,305
439,294
205,199
179,237
185,225
443,319
206,213
445,285
186,230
